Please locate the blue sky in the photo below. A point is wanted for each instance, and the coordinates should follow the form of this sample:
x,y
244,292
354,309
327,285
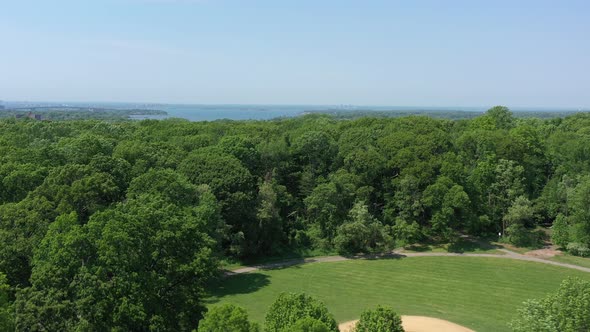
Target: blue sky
x,y
371,52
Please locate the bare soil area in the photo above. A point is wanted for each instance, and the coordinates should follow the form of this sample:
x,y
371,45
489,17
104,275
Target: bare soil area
x,y
543,253
548,251
418,324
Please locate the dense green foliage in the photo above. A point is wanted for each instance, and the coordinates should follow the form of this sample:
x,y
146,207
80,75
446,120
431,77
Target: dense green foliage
x,y
362,233
124,217
227,318
6,313
138,266
290,312
477,292
308,324
567,310
381,319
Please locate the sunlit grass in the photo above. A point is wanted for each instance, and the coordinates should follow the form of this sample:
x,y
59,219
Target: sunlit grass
x,y
569,259
480,293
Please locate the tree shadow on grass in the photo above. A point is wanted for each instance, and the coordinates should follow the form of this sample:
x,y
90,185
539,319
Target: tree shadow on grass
x,y
296,256
243,283
292,263
463,244
467,244
419,247
382,256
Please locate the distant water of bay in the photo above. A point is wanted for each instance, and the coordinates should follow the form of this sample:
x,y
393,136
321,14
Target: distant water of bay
x,y
262,112
236,112
267,112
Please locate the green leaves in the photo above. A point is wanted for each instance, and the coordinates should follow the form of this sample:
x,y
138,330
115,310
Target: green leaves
x,y
571,226
316,148
140,265
111,225
227,318
519,215
501,116
308,324
362,233
567,310
289,308
381,319
6,310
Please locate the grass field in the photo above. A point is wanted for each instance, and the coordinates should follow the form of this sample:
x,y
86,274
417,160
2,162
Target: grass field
x,y
581,261
480,293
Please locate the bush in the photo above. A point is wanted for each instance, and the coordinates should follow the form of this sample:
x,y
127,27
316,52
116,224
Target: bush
x,y
578,249
226,318
289,308
382,319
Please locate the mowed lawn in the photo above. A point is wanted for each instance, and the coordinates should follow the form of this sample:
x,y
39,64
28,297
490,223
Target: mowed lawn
x,y
581,261
480,293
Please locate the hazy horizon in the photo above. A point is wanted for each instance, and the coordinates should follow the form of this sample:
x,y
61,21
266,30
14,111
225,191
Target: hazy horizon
x,y
344,107
530,54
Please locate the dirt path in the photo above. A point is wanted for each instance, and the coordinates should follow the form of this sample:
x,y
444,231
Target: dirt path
x,y
418,324
398,254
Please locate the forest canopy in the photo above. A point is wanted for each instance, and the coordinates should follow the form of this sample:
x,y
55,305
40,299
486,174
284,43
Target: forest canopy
x,y
120,225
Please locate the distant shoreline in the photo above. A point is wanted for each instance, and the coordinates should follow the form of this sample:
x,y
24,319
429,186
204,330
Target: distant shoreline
x,y
236,112
77,113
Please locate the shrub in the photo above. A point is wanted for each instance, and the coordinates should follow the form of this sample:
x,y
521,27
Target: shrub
x,y
289,308
381,319
578,249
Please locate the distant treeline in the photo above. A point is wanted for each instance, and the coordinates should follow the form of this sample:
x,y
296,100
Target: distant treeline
x,y
79,113
452,115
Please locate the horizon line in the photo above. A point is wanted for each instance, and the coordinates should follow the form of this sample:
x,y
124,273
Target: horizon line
x,y
296,104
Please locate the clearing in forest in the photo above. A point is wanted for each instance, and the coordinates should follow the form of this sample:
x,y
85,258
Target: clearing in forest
x,y
480,293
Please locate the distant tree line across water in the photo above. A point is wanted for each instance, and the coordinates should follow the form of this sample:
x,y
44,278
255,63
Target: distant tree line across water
x,y
437,114
119,225
76,113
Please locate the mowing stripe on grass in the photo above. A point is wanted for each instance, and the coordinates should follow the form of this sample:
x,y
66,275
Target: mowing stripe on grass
x,y
478,292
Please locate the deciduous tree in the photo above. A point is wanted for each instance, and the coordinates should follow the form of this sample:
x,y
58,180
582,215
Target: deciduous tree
x,y
227,318
289,308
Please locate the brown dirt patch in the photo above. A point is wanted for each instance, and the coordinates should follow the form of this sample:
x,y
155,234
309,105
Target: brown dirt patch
x,y
544,253
347,326
418,324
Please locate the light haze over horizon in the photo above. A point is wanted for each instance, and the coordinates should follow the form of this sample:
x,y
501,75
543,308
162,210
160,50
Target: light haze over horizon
x,y
414,53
